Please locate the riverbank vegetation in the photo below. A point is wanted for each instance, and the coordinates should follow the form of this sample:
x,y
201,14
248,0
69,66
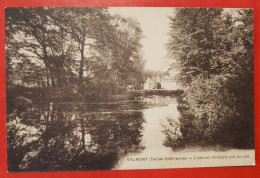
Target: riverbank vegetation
x,y
71,54
213,51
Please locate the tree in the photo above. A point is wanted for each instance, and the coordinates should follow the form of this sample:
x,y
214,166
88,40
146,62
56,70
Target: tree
x,y
214,53
192,41
127,63
86,26
83,46
39,39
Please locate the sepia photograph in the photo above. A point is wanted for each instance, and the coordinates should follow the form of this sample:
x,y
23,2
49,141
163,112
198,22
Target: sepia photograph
x,y
126,88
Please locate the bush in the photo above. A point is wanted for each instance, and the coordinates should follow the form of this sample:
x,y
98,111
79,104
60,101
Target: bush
x,y
102,90
212,114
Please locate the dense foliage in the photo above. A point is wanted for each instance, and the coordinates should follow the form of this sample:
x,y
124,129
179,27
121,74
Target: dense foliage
x,y
213,52
67,51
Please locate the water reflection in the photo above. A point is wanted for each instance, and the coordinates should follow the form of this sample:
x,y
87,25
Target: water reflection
x,y
156,133
69,137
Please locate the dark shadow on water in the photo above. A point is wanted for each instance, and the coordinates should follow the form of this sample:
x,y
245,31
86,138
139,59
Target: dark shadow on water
x,y
58,137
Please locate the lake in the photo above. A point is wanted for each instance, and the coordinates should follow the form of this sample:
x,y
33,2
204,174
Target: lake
x,y
95,136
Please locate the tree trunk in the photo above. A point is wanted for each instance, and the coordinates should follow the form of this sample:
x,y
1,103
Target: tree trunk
x,y
82,50
47,74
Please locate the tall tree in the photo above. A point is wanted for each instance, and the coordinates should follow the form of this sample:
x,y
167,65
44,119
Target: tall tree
x,y
214,53
126,50
86,26
192,41
39,39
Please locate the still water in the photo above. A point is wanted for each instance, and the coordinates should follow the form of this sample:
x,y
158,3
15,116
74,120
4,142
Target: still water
x,y
78,136
158,123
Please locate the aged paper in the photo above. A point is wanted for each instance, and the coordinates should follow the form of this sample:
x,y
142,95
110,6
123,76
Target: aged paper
x,y
123,88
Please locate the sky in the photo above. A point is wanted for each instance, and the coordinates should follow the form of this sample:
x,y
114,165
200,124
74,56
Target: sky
x,y
154,22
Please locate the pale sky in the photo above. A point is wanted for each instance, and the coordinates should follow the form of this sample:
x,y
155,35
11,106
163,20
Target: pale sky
x,y
154,22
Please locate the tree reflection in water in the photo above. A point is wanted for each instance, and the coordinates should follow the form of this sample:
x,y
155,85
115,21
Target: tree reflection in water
x,y
67,137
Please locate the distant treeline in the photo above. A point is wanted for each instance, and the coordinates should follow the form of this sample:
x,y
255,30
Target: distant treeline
x,y
213,51
72,52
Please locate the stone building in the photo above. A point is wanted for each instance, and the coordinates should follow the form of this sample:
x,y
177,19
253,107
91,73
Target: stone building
x,y
157,82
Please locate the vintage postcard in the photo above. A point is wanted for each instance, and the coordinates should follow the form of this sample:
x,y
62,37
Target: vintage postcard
x,y
119,88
